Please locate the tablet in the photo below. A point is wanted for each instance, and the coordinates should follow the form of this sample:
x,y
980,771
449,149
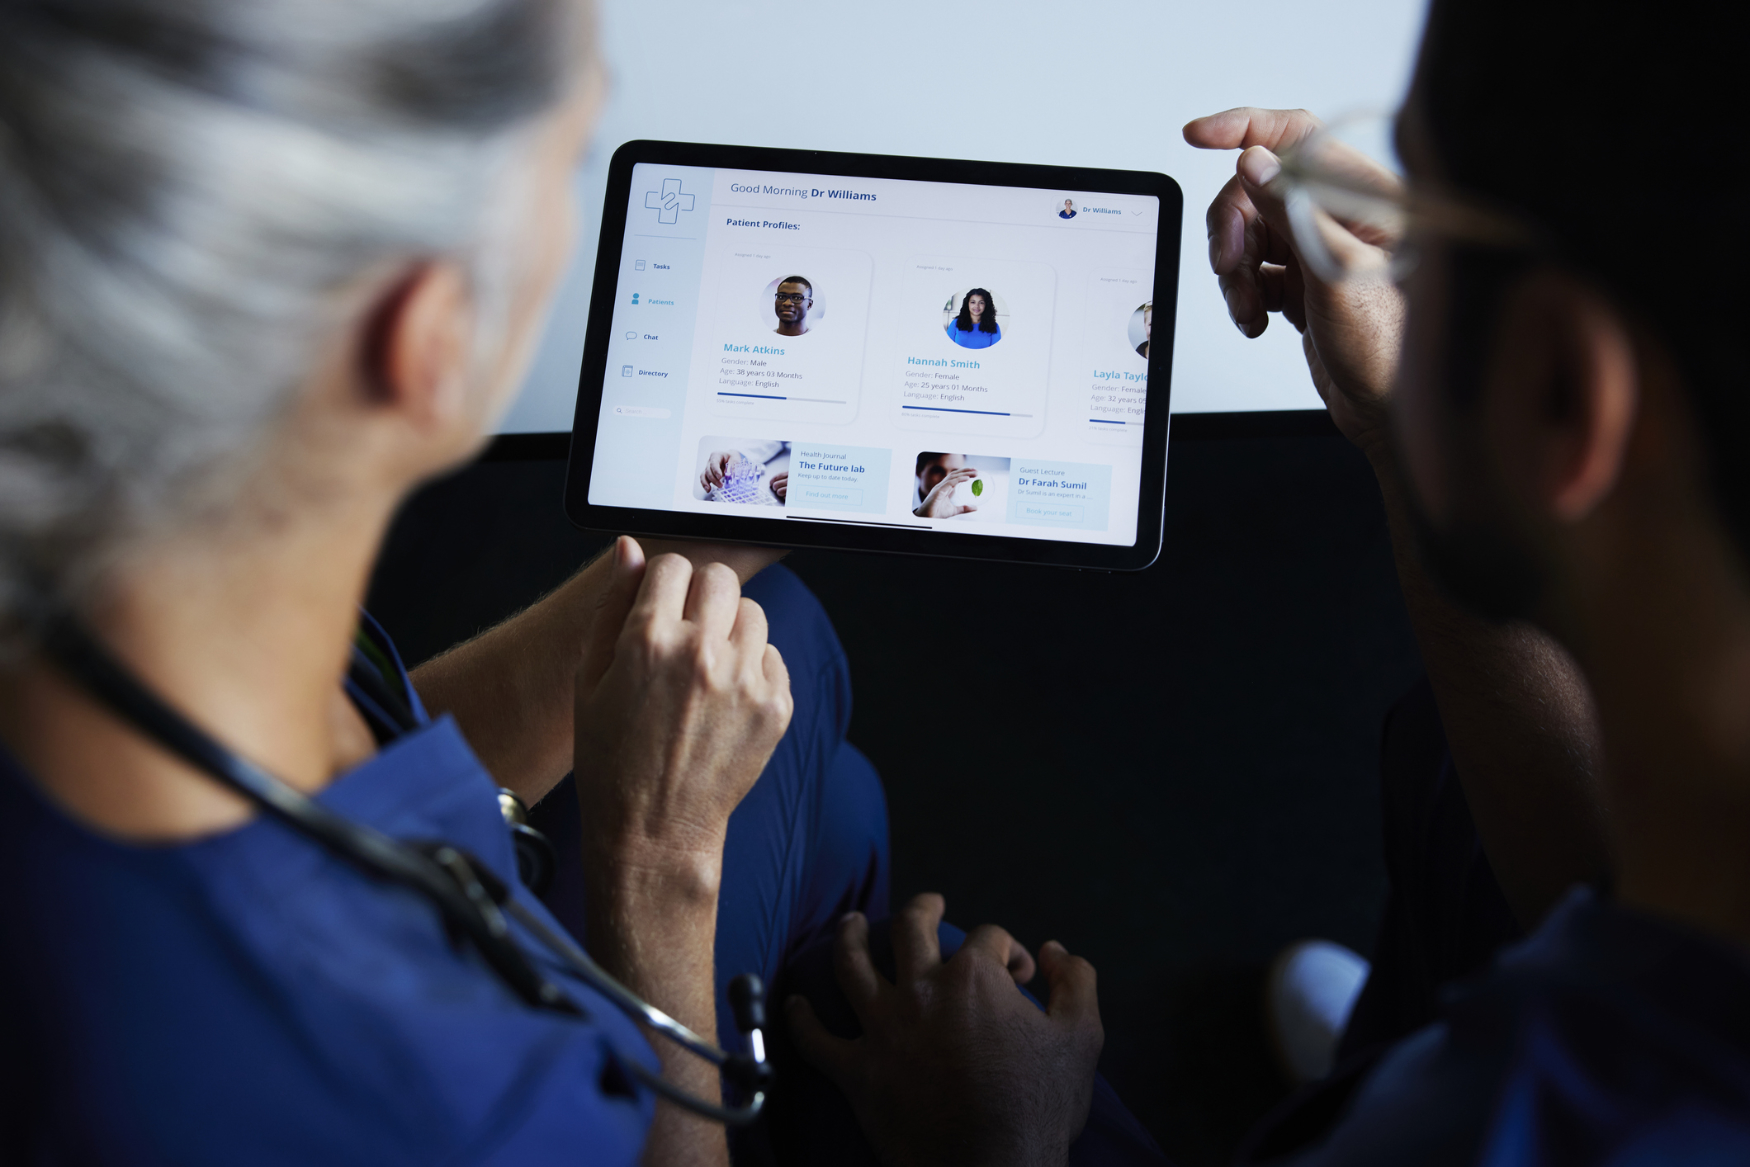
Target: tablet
x,y
913,355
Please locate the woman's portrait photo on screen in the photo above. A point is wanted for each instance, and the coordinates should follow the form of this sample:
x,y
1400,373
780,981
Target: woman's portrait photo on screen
x,y
974,318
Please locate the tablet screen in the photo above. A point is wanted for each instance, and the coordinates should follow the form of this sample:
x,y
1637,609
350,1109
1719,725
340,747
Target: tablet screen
x,y
896,353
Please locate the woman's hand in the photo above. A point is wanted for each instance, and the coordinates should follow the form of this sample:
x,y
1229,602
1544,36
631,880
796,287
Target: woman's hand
x,y
716,469
680,702
936,504
955,1065
1351,332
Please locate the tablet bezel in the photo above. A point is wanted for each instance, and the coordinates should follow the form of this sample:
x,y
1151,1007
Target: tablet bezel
x,y
855,535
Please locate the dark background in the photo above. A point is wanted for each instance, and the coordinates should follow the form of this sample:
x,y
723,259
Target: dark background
x,y
1174,771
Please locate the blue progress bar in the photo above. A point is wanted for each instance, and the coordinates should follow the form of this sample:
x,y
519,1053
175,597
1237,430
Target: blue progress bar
x,y
944,409
1104,421
761,396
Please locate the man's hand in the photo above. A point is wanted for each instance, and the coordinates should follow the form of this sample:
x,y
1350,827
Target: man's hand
x,y
955,1065
680,702
1351,331
936,504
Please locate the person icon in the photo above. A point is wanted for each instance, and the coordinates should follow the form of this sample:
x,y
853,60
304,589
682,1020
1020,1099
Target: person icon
x,y
976,325
1148,313
791,301
1069,210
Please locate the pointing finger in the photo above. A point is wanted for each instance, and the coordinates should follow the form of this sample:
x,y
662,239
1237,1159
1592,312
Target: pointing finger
x,y
1248,125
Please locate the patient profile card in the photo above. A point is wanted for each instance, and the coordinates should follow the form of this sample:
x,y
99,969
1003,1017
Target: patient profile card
x,y
789,331
1118,328
975,345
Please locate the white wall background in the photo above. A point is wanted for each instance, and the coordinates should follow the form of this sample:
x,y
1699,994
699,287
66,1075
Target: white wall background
x,y
1069,83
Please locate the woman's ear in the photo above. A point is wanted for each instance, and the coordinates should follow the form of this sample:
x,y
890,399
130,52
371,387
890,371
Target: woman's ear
x,y
419,348
1561,396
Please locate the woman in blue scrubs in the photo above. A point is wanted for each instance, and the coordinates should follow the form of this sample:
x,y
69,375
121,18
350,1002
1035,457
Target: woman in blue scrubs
x,y
265,268
976,325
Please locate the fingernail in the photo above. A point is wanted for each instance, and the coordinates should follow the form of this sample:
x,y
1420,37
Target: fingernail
x,y
1214,251
620,551
1228,295
1258,166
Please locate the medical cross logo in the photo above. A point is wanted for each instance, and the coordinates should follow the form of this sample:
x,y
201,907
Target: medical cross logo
x,y
669,202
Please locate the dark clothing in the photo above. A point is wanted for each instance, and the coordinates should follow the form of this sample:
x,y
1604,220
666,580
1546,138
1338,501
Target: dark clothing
x,y
1607,1036
250,998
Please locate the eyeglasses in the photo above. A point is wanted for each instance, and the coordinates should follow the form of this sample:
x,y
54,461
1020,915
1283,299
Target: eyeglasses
x,y
790,297
1353,215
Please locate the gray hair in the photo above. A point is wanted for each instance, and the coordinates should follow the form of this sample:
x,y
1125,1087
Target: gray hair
x,y
187,190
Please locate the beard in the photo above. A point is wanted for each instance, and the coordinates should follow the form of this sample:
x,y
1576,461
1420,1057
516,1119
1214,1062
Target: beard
x,y
1474,558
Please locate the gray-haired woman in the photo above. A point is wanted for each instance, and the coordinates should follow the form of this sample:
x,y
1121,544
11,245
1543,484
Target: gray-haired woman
x,y
264,267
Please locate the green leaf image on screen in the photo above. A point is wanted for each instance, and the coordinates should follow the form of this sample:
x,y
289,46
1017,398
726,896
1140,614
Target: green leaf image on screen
x,y
977,487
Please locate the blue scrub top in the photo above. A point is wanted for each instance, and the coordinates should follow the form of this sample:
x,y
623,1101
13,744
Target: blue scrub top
x,y
1608,1036
249,998
973,339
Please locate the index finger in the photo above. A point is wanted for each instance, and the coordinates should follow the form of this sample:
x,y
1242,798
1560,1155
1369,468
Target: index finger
x,y
1245,126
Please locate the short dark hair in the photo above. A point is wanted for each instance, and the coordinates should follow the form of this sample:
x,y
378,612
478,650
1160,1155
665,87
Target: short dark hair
x,y
793,280
1587,121
925,458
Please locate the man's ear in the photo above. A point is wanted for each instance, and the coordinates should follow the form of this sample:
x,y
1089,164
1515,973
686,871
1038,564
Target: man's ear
x,y
419,346
1561,396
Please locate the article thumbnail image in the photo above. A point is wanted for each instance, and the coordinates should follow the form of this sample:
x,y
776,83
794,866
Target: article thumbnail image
x,y
975,318
744,471
791,305
960,486
1141,325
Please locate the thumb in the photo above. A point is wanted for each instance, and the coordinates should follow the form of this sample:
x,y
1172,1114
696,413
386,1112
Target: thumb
x,y
1260,174
625,574
820,1049
1295,221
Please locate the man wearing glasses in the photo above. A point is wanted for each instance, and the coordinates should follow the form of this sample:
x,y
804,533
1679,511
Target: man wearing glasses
x,y
1533,341
792,300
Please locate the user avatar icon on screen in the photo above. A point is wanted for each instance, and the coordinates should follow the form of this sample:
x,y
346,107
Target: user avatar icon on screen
x,y
1069,210
791,301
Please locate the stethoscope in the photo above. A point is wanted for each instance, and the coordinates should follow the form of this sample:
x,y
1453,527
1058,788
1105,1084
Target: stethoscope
x,y
472,901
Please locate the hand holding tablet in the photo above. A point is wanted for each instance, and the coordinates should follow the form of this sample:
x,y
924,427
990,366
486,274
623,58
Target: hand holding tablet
x,y
777,338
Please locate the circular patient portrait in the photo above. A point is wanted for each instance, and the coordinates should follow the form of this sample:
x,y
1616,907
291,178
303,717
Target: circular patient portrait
x,y
1141,324
791,306
975,318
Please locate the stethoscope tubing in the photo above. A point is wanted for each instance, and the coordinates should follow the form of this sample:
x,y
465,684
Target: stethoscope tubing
x,y
445,875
